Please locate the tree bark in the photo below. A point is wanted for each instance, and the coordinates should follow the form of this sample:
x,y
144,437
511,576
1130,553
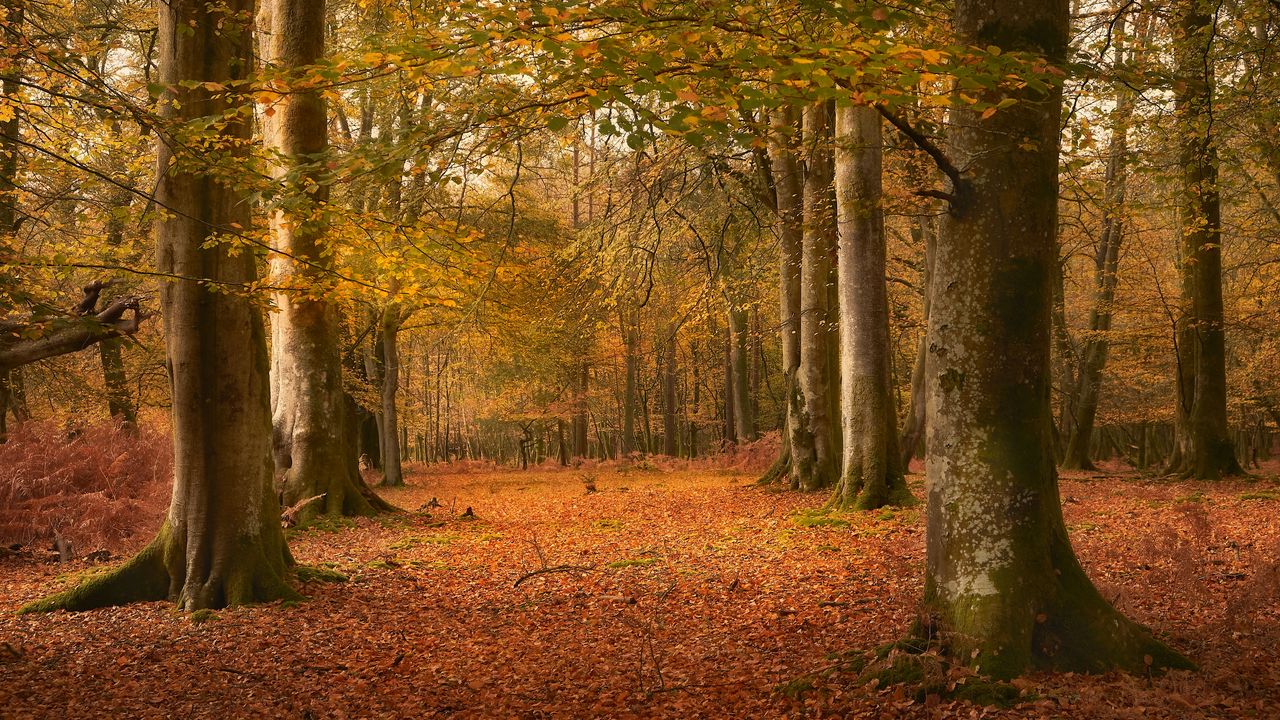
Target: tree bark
x,y
870,475
1204,448
817,466
312,421
221,543
788,184
1004,592
389,329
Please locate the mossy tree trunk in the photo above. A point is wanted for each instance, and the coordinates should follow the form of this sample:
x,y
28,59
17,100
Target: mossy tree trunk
x,y
313,424
1004,592
1204,448
870,474
221,543
816,464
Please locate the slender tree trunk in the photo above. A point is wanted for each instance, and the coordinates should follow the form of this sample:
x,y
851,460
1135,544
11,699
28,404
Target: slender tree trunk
x,y
392,474
631,341
1106,264
788,185
814,375
744,424
870,476
670,429
312,422
1004,592
581,447
221,543
914,429
111,350
1204,448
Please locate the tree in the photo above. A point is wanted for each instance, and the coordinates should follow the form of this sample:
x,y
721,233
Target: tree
x,y
221,542
1004,592
1204,448
1093,358
870,475
312,422
815,373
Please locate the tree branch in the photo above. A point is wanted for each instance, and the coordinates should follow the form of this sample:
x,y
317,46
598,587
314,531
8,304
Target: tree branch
x,y
73,335
939,158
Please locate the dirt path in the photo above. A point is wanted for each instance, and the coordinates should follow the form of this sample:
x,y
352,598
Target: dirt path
x,y
688,594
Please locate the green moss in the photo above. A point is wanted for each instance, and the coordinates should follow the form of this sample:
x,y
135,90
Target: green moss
x,y
1194,497
416,540
199,617
634,562
607,524
382,565
308,574
142,578
795,689
1262,495
322,524
988,693
818,519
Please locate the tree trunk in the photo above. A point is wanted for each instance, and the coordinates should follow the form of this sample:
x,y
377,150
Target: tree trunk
x,y
1106,263
1004,592
581,446
392,475
221,543
817,464
744,424
631,340
789,193
1204,449
870,475
312,422
670,429
914,429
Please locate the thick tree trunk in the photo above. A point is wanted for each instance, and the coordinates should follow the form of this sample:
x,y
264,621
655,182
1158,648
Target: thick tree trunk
x,y
1204,448
1004,592
870,475
221,543
816,464
312,423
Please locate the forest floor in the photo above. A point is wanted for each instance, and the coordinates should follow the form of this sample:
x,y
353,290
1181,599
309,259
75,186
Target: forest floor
x,y
699,595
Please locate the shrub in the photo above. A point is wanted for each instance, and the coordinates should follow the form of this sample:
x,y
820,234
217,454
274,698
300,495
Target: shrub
x,y
100,487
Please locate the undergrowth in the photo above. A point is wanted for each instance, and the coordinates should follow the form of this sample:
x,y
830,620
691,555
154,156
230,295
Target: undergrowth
x,y
98,487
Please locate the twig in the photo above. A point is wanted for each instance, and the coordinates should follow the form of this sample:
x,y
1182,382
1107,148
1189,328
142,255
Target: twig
x,y
554,569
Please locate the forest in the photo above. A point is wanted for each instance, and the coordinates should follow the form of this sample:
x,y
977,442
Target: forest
x,y
640,358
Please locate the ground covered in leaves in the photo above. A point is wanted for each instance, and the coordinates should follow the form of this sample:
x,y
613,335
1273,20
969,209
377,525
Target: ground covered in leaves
x,y
661,594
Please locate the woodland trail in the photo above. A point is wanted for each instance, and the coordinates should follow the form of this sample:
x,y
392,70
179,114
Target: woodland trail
x,y
705,595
